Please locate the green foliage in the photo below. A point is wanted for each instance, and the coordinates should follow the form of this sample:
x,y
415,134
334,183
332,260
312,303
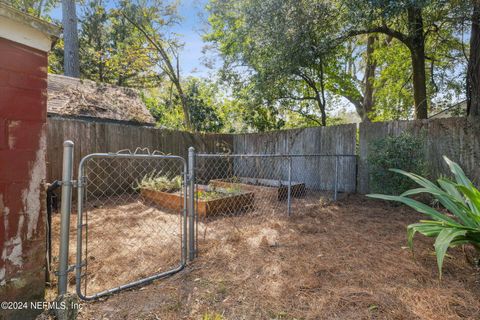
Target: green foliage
x,y
291,55
212,192
278,52
287,63
38,8
207,111
55,58
164,107
112,50
393,87
405,152
444,50
462,200
212,316
160,183
203,113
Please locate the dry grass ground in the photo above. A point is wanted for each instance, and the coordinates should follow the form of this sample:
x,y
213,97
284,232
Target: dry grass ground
x,y
346,260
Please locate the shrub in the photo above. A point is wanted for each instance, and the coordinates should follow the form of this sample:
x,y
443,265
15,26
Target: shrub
x,y
461,199
405,152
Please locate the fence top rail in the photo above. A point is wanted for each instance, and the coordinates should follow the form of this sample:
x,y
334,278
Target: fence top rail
x,y
266,155
130,156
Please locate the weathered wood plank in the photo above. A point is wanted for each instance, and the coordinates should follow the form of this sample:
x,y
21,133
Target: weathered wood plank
x,y
457,138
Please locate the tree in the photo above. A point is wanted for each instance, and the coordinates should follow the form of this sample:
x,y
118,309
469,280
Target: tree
x,y
204,115
299,55
206,106
473,75
71,63
113,50
281,48
368,80
150,19
38,8
404,21
350,81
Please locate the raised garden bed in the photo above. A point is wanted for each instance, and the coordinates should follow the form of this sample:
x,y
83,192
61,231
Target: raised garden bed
x,y
267,187
211,201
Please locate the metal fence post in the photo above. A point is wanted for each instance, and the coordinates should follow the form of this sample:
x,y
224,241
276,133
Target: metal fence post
x,y
335,195
66,205
80,199
185,216
289,197
191,199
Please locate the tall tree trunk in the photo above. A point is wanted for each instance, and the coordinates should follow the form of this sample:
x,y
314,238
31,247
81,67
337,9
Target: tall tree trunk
x,y
321,95
321,106
71,64
370,67
417,51
473,74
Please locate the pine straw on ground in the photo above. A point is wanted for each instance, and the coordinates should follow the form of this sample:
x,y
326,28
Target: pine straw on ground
x,y
346,260
128,239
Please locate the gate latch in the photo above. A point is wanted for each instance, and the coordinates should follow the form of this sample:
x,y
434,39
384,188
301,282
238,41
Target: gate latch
x,y
74,183
71,268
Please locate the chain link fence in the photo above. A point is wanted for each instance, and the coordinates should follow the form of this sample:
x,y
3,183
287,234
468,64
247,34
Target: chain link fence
x,y
232,191
131,226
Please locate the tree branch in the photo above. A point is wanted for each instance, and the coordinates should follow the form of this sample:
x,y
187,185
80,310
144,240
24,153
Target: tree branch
x,y
307,115
382,29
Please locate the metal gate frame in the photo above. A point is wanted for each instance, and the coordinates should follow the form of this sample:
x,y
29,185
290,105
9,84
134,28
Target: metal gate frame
x,y
68,184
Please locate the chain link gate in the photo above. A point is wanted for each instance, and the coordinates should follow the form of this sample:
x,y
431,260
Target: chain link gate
x,y
127,234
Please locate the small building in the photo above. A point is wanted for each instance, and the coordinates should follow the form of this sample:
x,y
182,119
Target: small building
x,y
85,99
24,44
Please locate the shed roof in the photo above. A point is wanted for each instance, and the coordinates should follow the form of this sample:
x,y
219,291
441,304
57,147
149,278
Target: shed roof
x,y
75,97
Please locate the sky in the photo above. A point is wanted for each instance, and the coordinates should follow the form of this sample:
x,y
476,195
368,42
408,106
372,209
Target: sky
x,y
194,17
193,23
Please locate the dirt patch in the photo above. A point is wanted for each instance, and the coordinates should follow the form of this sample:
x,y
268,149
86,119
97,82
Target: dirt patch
x,y
344,260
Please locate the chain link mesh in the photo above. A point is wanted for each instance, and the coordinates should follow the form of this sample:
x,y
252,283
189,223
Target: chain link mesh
x,y
230,189
130,230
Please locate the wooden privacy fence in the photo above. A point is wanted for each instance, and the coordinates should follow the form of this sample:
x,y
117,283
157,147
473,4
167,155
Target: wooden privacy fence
x,y
315,171
96,136
93,136
457,138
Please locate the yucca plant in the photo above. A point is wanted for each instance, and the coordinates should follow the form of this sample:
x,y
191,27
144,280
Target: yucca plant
x,y
461,225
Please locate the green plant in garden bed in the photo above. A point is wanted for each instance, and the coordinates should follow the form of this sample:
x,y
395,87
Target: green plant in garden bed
x,y
212,192
160,183
461,225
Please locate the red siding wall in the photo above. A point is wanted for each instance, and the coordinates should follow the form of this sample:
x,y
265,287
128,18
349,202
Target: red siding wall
x,y
23,83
